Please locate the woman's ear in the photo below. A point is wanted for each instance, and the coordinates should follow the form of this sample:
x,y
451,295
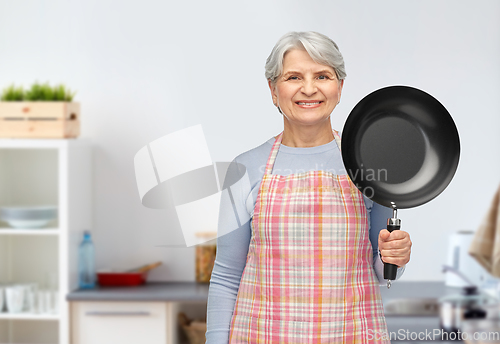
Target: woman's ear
x,y
341,85
273,92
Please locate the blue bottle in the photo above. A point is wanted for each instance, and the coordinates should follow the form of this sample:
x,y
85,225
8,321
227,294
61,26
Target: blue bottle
x,y
86,263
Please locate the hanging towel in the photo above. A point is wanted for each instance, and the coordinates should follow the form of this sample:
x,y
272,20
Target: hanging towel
x,y
485,246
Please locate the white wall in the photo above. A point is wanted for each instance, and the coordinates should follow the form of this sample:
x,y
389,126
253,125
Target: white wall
x,y
145,69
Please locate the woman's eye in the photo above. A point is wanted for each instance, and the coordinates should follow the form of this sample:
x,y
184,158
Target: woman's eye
x,y
293,77
323,77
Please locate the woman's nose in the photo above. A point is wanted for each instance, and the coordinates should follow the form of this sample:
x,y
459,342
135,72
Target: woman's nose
x,y
309,87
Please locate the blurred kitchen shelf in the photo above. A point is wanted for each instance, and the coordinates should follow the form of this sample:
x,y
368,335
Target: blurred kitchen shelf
x,y
42,143
44,231
28,316
40,172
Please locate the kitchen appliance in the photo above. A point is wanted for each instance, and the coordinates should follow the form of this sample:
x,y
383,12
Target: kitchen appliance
x,y
454,309
401,148
469,304
459,258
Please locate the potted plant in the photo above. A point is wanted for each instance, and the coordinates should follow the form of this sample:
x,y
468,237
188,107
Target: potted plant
x,y
41,111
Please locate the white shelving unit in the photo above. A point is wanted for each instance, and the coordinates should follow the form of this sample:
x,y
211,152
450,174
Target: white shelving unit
x,y
43,172
45,231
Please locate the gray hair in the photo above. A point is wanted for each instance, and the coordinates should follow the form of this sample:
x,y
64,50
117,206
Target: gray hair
x,y
320,47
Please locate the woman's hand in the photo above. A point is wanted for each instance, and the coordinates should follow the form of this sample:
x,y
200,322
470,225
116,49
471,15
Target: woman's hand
x,y
395,247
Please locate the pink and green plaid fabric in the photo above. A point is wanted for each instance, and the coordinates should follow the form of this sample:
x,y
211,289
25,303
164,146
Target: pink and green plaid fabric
x,y
309,274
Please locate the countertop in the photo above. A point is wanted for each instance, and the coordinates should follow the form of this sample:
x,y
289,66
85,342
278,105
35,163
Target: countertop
x,y
151,291
402,289
194,291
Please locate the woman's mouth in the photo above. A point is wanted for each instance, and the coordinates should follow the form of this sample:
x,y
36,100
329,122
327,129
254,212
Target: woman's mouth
x,y
308,104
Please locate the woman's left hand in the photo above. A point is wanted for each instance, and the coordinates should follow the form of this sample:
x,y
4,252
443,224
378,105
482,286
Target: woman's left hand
x,y
395,247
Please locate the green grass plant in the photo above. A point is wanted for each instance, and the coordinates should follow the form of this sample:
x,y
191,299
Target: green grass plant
x,y
38,92
12,94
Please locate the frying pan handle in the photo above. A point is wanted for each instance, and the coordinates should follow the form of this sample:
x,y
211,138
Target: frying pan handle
x,y
391,270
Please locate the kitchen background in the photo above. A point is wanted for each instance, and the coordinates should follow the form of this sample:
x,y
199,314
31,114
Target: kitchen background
x,y
149,68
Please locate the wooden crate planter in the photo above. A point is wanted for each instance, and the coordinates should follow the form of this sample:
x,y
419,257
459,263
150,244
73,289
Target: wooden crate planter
x,y
39,119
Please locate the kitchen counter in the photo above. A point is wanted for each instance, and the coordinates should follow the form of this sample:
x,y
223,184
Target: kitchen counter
x,y
151,291
401,289
186,291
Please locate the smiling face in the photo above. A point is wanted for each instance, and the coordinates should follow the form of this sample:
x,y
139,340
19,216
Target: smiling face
x,y
306,91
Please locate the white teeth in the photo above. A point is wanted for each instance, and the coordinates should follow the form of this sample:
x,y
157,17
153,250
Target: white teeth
x,y
308,103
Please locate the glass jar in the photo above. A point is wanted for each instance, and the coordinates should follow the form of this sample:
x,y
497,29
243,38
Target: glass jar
x,y
205,255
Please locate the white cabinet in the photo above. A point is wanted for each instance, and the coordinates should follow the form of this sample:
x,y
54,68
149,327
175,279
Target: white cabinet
x,y
120,322
41,172
124,322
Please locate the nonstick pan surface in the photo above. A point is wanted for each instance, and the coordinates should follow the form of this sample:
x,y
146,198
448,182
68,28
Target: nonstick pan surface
x,y
399,144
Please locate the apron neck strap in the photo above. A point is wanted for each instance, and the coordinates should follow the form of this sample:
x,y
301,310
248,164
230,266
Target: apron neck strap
x,y
337,139
276,146
272,155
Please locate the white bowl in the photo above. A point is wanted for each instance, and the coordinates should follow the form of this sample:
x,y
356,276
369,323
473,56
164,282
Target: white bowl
x,y
29,224
28,216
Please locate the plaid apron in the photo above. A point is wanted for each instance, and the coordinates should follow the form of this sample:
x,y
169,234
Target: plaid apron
x,y
309,274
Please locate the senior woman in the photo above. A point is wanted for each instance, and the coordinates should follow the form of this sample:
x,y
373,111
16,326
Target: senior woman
x,y
307,266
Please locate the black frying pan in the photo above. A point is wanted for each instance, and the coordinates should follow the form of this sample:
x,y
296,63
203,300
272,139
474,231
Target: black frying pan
x,y
401,148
